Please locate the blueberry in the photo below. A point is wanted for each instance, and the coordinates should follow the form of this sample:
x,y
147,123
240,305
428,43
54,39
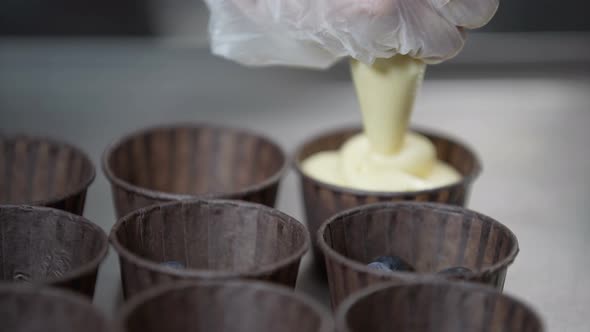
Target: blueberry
x,y
379,266
21,277
394,263
455,271
173,265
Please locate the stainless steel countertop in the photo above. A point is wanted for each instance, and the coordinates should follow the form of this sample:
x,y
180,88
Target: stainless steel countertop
x,y
529,124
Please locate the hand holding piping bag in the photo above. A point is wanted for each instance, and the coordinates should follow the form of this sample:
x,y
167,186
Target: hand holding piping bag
x,y
316,33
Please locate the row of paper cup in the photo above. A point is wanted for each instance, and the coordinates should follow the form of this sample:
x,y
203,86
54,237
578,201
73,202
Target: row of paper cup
x,y
242,306
180,195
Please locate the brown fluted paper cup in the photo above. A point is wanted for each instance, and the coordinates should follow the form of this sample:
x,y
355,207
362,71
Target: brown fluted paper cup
x,y
50,247
323,200
430,237
231,306
44,172
212,239
435,307
187,161
26,308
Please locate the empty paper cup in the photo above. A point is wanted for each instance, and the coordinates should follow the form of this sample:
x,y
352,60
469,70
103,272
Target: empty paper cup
x,y
208,239
323,200
435,307
47,246
192,161
24,308
430,237
234,306
44,172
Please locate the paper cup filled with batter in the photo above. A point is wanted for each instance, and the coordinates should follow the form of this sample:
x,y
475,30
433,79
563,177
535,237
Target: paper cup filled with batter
x,y
322,198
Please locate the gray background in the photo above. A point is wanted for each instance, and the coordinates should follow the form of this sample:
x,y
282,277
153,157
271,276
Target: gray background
x,y
145,17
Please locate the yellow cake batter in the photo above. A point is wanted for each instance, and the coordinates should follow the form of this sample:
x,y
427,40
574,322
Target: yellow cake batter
x,y
386,157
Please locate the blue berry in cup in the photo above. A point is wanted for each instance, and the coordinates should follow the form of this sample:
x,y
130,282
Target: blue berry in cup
x,y
455,271
378,266
173,265
393,263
